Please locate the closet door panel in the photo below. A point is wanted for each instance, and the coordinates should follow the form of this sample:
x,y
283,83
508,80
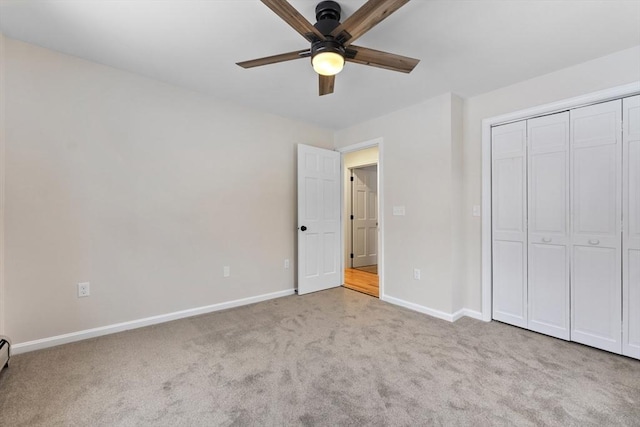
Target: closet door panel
x,y
548,191
549,290
596,280
548,206
596,195
509,198
596,160
631,228
509,287
509,223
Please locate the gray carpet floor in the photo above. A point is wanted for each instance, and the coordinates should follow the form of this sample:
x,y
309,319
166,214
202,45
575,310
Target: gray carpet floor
x,y
336,357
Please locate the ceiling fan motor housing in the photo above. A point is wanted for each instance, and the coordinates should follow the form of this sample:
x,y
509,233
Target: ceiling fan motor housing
x,y
328,16
327,46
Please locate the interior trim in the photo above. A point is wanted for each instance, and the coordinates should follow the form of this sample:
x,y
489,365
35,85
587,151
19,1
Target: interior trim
x,y
465,312
421,308
377,142
140,323
2,185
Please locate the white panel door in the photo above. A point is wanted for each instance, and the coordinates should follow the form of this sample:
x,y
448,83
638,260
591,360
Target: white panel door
x,y
596,172
318,219
509,234
364,224
631,227
548,226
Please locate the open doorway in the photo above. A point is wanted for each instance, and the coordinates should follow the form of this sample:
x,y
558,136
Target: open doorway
x,y
361,228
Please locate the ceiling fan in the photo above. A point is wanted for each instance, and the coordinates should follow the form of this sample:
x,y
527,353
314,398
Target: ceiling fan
x,y
331,41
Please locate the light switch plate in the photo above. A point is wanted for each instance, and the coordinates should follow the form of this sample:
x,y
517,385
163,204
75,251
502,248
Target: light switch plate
x,y
398,211
476,210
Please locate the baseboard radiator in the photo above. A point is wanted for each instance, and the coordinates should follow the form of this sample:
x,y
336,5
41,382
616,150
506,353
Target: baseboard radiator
x,y
5,353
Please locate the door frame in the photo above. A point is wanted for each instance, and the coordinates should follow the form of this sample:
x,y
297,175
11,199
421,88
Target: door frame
x,y
540,110
378,142
349,199
2,188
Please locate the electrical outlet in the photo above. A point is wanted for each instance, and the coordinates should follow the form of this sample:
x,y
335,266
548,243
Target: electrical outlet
x,y
226,271
416,274
476,210
286,264
84,289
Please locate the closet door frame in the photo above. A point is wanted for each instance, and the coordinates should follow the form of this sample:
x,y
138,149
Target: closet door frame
x,y
563,105
631,227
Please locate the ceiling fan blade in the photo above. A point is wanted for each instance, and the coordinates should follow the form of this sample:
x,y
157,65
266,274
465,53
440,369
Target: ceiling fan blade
x,y
275,59
365,18
326,84
291,16
380,59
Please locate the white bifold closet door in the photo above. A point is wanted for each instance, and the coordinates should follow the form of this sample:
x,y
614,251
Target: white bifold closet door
x,y
596,205
631,228
548,231
509,237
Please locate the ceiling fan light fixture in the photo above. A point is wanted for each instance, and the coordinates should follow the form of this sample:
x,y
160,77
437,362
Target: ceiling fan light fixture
x,y
328,63
327,57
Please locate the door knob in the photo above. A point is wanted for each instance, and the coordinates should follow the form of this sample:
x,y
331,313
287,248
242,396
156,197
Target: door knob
x,y
303,228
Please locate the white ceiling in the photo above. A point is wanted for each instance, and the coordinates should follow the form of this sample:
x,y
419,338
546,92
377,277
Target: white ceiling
x,y
465,47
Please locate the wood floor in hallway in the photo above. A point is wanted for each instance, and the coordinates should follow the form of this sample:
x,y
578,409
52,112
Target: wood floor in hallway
x,y
361,281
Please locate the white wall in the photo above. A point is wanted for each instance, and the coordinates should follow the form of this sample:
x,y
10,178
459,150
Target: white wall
x,y
2,145
143,189
418,168
147,190
354,159
609,71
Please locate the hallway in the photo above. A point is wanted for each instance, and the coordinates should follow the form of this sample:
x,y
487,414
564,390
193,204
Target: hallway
x,y
361,281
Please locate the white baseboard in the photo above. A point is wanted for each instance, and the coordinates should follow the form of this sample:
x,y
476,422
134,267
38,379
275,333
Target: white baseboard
x,y
449,317
419,308
465,312
140,323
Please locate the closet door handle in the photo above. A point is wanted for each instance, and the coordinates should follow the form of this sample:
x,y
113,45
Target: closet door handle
x,y
594,242
546,239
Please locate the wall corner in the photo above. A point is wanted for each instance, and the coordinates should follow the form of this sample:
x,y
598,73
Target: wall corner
x,y
2,177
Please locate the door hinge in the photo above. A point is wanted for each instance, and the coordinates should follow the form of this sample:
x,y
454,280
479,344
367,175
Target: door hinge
x,y
351,256
351,178
352,217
